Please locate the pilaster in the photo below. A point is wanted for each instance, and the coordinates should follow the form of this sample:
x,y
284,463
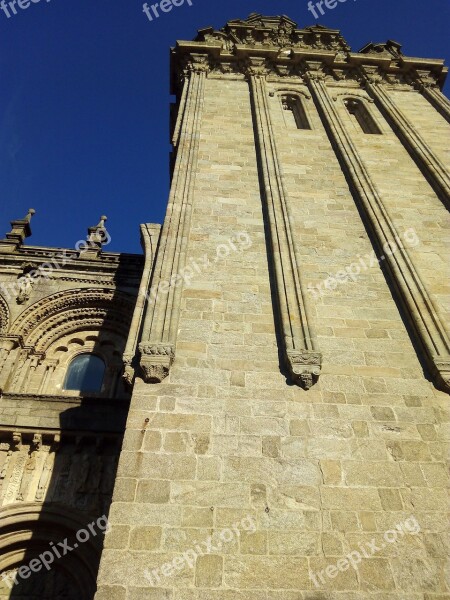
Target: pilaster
x,y
150,234
157,347
410,289
429,88
300,352
429,163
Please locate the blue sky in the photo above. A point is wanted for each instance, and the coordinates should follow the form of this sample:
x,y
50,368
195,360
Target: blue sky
x,y
84,101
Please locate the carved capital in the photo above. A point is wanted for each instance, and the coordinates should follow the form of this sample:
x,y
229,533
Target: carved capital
x,y
314,71
256,67
36,442
425,79
372,75
304,366
198,63
128,370
156,360
16,440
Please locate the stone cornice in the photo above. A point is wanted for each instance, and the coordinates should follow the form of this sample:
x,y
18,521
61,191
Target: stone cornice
x,y
49,436
107,269
92,401
286,48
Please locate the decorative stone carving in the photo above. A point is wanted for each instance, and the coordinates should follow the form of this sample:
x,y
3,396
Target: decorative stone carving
x,y
388,49
16,441
259,31
25,289
4,315
128,370
156,360
97,236
426,79
7,448
304,366
47,471
63,312
256,67
36,442
27,476
198,63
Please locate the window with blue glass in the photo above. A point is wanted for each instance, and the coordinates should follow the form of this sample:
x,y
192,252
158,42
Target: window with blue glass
x,y
85,374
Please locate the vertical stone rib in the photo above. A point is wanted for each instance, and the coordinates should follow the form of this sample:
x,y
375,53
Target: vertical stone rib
x,y
437,99
302,358
429,163
411,291
157,347
150,233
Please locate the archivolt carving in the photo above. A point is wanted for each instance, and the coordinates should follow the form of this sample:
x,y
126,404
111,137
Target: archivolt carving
x,y
292,91
354,94
27,521
4,315
71,311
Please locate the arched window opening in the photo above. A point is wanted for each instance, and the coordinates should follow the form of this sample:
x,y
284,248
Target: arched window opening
x,y
362,116
294,112
85,374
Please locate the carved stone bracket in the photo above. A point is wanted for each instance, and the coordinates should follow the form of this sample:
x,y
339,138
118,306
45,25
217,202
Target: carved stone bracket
x,y
156,360
160,325
442,372
304,366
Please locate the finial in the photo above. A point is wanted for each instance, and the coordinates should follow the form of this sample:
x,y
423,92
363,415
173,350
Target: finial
x,y
30,213
97,236
20,229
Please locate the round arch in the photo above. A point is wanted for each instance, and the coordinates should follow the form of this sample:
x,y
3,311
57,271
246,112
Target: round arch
x,y
74,310
29,529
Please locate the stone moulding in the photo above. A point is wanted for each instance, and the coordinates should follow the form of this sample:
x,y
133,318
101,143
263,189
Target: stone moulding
x,y
419,150
285,47
301,356
157,347
428,87
150,233
411,291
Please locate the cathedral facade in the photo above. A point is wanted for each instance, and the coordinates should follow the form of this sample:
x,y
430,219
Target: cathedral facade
x,y
256,408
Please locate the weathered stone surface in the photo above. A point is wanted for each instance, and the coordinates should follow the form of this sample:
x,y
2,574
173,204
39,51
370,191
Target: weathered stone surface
x,y
284,403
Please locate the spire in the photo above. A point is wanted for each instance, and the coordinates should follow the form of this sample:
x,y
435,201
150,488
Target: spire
x,y
20,229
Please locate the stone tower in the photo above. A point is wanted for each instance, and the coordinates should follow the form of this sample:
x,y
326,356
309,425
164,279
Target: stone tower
x,y
293,366
284,400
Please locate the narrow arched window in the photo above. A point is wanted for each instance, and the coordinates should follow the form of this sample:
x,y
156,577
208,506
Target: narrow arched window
x,y
294,112
361,116
85,374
